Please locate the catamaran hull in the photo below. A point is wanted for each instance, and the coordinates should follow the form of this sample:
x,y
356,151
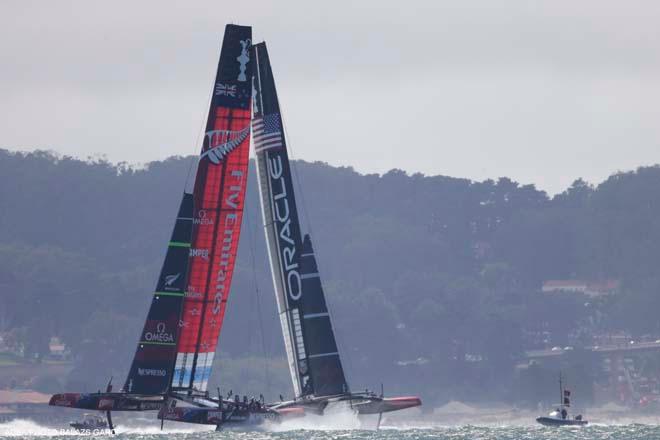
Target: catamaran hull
x,y
107,401
363,405
388,405
217,417
549,421
285,411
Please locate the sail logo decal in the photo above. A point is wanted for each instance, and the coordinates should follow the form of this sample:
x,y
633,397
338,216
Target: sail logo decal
x,y
267,132
282,215
202,219
222,273
151,372
223,142
192,293
243,59
171,279
225,89
160,335
255,106
203,253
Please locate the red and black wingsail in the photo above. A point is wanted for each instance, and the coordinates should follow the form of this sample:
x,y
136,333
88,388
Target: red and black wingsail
x,y
309,339
153,364
219,194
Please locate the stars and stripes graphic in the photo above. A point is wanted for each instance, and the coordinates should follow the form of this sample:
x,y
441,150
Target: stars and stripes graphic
x,y
267,131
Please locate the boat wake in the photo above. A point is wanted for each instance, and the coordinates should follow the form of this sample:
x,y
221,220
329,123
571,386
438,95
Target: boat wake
x,y
334,421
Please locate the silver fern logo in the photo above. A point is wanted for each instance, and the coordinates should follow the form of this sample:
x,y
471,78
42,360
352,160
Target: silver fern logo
x,y
170,279
223,142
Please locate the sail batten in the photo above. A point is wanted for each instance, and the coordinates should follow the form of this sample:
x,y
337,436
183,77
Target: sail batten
x,y
309,339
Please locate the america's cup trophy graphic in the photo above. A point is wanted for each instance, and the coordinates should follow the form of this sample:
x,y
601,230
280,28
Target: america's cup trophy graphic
x,y
243,59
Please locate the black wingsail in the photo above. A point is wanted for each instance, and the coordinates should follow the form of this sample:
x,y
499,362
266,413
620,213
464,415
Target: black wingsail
x,y
153,363
309,339
324,362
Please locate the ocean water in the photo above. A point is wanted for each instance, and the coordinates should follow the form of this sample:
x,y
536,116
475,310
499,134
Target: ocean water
x,y
25,429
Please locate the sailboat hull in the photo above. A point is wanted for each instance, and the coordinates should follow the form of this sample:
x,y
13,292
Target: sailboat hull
x,y
363,404
388,405
245,416
550,421
230,414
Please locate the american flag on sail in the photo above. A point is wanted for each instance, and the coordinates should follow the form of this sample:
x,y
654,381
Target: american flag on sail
x,y
267,132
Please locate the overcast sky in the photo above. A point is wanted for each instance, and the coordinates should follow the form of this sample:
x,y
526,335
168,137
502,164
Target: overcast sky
x,y
541,91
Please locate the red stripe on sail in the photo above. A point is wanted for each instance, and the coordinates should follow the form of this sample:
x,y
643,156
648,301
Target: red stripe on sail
x,y
219,199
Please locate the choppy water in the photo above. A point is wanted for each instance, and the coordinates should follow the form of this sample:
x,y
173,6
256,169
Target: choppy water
x,y
23,429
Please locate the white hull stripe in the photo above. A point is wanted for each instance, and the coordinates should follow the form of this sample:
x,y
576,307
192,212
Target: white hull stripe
x,y
306,276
